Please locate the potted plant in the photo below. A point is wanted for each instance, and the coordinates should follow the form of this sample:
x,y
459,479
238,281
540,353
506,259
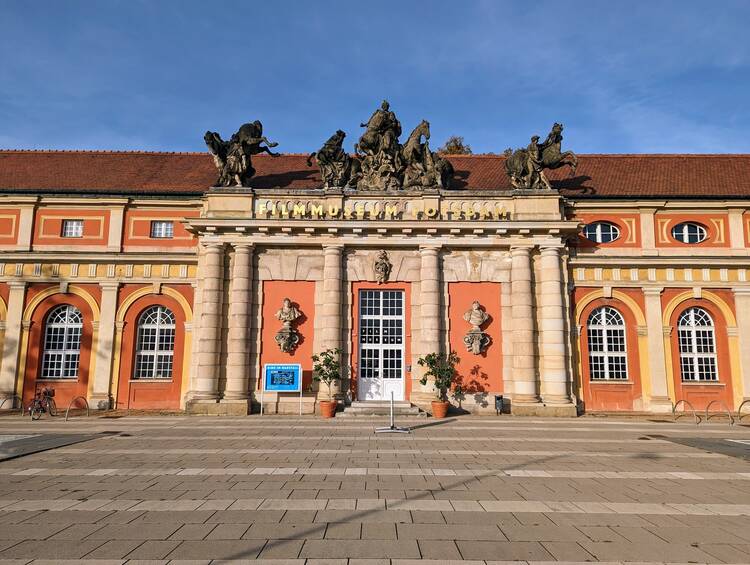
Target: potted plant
x,y
442,368
326,370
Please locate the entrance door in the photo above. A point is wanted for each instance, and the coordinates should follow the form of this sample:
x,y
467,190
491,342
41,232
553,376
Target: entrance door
x,y
381,345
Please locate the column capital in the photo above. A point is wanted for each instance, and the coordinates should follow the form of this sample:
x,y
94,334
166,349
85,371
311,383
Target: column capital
x,y
517,250
742,290
243,246
552,249
432,248
17,284
109,285
214,246
333,248
653,290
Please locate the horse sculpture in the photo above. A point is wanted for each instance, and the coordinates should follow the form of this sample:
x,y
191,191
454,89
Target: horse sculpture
x,y
522,175
337,168
423,167
233,158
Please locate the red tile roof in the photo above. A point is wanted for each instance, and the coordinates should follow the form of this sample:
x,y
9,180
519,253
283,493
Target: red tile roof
x,y
142,173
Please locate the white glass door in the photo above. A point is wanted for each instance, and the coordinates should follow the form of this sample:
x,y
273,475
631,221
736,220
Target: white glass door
x,y
381,345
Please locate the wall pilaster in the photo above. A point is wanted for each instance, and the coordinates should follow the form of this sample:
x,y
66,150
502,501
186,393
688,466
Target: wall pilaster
x,y
100,391
742,309
11,342
659,400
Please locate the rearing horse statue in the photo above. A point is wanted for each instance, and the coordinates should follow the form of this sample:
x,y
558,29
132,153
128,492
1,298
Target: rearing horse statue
x,y
525,171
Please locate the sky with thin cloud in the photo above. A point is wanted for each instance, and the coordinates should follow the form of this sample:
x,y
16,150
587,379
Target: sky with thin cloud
x,y
623,77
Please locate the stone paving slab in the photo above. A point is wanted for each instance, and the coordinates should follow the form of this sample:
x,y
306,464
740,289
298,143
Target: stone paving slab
x,y
305,492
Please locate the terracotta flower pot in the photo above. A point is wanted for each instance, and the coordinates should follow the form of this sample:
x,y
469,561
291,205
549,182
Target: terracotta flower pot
x,y
439,409
327,408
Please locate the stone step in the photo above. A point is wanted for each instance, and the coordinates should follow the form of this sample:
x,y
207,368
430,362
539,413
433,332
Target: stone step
x,y
381,408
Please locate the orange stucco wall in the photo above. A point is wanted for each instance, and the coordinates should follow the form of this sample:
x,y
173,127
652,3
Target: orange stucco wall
x,y
629,224
611,395
717,226
302,295
9,219
137,228
699,394
48,226
481,373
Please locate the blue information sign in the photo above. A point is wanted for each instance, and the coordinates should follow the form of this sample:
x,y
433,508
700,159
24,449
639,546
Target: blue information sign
x,y
283,378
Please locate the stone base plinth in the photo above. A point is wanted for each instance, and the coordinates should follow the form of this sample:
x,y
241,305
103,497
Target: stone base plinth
x,y
539,409
214,408
660,405
274,403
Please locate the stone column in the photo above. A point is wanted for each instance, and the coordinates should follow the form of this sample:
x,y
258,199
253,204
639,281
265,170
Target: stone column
x,y
524,386
554,376
12,341
238,344
105,346
430,314
659,401
742,309
333,276
209,334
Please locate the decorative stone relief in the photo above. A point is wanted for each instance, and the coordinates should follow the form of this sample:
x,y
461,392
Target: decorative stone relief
x,y
382,268
475,339
287,337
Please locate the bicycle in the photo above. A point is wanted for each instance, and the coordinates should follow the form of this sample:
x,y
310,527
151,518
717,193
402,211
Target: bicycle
x,y
44,401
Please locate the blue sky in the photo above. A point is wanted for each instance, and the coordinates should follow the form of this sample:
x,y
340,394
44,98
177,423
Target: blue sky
x,y
624,77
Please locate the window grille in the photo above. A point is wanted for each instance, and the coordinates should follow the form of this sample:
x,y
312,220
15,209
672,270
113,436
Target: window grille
x,y
689,232
601,232
155,344
607,347
162,230
72,228
62,343
695,335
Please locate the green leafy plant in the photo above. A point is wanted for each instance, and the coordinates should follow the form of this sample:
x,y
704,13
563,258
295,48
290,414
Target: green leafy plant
x,y
442,367
327,368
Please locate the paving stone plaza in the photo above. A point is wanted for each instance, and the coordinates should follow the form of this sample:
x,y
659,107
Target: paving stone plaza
x,y
314,492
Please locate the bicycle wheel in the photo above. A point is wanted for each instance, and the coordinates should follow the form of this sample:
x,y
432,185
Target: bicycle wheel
x,y
36,411
51,407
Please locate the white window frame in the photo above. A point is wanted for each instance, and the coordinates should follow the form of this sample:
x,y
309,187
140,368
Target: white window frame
x,y
703,366
148,360
595,231
608,354
682,232
72,228
65,323
162,229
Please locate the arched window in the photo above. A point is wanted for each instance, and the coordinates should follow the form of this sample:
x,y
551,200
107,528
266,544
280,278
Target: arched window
x,y
607,350
62,343
155,344
695,334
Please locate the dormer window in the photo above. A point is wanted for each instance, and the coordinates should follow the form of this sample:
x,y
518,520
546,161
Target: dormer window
x,y
689,232
601,232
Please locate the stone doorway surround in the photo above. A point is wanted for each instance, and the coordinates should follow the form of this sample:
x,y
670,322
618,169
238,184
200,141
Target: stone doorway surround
x,y
517,238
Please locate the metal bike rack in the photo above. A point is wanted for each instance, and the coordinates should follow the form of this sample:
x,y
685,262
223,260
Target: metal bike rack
x,y
726,409
683,401
739,410
88,411
13,397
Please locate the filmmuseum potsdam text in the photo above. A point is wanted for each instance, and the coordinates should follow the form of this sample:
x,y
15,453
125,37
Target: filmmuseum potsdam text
x,y
565,283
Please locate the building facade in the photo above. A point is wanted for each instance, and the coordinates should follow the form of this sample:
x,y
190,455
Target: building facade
x,y
128,279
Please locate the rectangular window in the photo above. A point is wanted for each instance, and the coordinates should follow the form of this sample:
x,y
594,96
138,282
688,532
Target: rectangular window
x,y
162,230
72,228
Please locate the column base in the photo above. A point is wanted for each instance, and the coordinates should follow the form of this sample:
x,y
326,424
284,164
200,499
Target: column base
x,y
234,406
540,409
100,402
660,405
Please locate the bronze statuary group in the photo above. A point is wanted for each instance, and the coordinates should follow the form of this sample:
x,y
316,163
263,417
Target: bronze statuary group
x,y
380,161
